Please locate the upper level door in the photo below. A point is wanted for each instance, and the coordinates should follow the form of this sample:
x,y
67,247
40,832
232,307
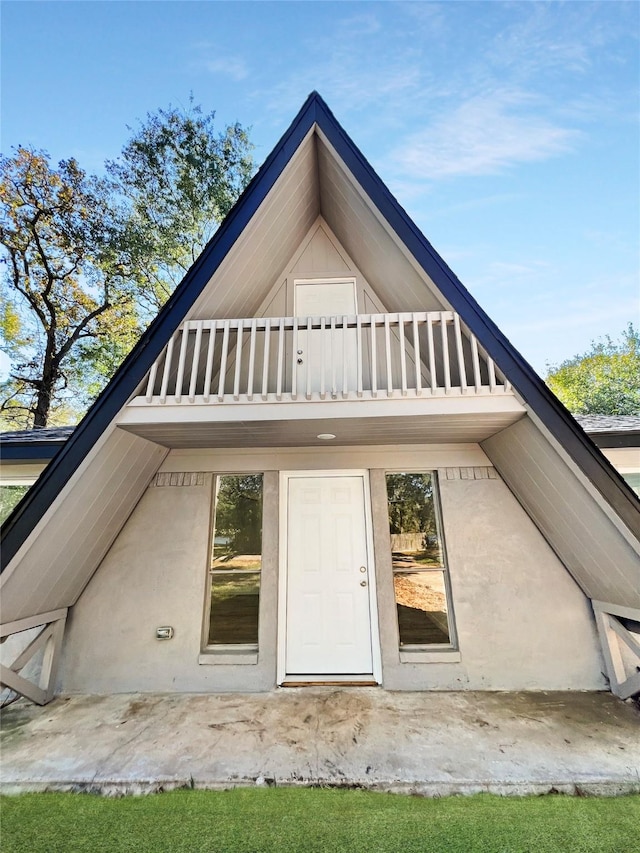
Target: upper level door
x,y
326,359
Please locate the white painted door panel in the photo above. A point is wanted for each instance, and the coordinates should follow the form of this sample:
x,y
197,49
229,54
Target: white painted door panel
x,y
328,615
326,352
325,299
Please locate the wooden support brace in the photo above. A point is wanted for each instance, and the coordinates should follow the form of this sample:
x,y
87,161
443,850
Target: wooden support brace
x,y
624,683
49,640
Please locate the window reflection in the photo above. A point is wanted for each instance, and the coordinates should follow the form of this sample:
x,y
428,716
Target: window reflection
x,y
419,571
236,560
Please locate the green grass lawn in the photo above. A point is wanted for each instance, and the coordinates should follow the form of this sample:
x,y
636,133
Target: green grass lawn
x,y
330,821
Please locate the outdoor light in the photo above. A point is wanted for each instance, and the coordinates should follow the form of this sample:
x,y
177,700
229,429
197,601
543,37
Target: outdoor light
x,y
326,436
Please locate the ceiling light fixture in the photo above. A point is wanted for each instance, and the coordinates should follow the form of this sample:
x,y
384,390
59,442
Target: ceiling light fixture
x,y
326,436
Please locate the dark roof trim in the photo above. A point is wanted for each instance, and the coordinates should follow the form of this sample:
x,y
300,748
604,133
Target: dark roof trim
x,y
33,445
615,439
555,417
132,371
537,395
32,451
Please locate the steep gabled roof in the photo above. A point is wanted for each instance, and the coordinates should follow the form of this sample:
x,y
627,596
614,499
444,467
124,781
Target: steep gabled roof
x,y
316,115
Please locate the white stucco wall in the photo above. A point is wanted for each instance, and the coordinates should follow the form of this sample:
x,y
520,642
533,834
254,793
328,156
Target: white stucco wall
x,y
155,575
522,622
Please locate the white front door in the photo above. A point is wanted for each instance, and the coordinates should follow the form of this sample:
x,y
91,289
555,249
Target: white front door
x,y
326,359
328,617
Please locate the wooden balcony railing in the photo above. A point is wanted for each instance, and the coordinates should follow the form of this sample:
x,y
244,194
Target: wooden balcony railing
x,y
321,358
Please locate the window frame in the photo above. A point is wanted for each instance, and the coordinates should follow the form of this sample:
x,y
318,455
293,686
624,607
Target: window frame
x,y
227,653
416,652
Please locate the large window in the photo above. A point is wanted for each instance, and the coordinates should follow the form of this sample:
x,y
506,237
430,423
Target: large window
x,y
236,561
420,576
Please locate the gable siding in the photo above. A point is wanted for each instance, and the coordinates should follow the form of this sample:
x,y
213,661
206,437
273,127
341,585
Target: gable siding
x,y
596,553
53,569
244,278
390,273
320,257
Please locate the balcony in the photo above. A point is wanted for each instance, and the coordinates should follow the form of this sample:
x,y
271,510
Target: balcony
x,y
374,366
214,362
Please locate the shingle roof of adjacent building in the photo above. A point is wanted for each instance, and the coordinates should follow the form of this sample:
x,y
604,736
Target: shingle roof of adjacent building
x,y
33,445
609,423
43,435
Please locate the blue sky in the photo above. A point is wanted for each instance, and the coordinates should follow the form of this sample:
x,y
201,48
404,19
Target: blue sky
x,y
509,131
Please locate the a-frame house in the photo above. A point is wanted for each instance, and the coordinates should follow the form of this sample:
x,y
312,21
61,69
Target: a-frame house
x,y
323,462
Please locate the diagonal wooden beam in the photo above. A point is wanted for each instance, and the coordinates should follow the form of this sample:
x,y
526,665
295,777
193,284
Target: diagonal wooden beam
x,y
625,635
51,659
630,687
611,633
50,641
11,679
32,649
31,622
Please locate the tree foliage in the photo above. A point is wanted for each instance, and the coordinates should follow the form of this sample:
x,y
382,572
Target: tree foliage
x,y
10,496
62,291
411,506
603,381
239,513
87,261
179,178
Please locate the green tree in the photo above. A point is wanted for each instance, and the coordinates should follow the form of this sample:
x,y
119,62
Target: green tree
x,y
10,496
62,293
239,513
87,260
410,500
603,381
178,178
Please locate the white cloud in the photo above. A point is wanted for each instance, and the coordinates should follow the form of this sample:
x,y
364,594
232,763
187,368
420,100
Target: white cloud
x,y
228,66
346,85
483,136
597,321
359,25
535,40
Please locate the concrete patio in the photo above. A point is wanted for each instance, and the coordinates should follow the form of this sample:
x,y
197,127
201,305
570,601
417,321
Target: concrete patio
x,y
426,743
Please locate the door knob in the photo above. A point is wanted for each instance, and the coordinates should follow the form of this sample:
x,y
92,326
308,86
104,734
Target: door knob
x,y
363,569
363,583
299,361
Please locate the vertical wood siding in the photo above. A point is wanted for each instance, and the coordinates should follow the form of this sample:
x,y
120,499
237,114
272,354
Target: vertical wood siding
x,y
601,560
87,517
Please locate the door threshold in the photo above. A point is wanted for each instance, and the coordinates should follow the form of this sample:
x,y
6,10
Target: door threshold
x,y
329,681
